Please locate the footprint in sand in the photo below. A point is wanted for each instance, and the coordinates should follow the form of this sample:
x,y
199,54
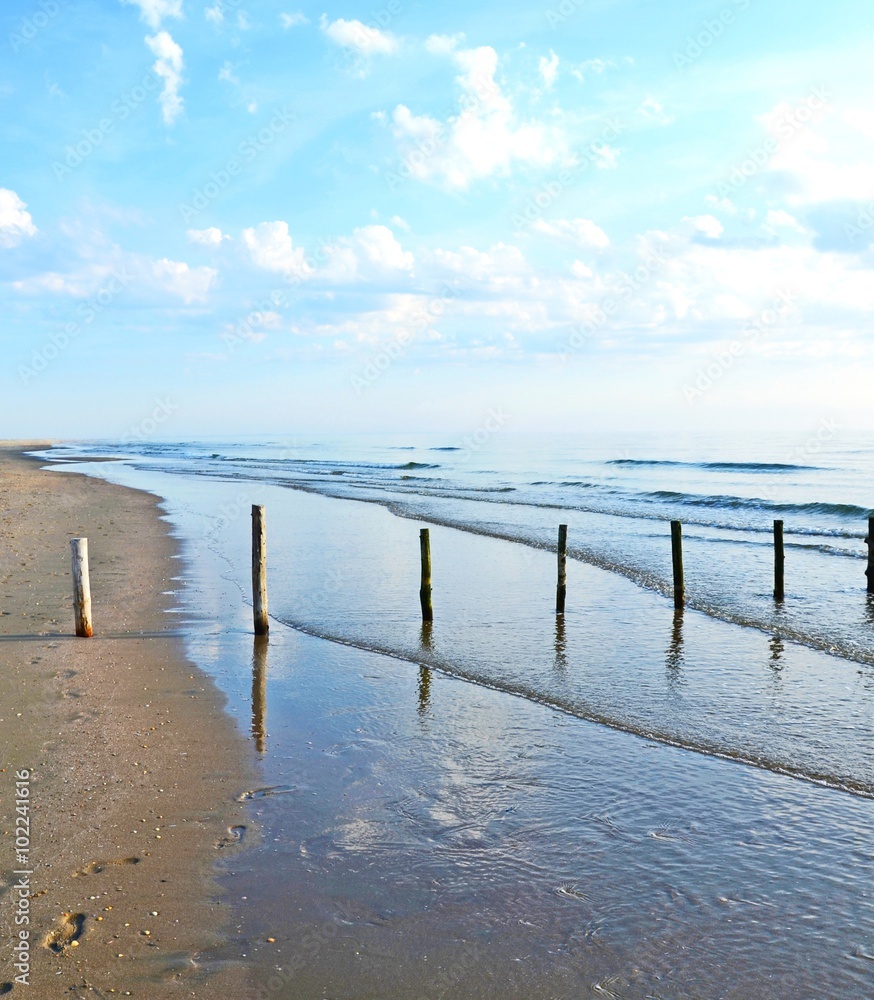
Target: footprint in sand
x,y
235,836
69,929
262,793
96,867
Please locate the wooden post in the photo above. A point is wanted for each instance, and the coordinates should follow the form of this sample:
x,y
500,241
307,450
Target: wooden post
x,y
779,592
869,572
81,587
677,559
425,589
259,570
561,588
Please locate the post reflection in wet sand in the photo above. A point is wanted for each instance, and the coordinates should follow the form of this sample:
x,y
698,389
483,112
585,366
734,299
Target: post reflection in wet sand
x,y
259,692
560,644
674,654
424,689
425,635
776,647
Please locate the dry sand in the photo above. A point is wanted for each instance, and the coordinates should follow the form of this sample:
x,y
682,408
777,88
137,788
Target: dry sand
x,y
135,766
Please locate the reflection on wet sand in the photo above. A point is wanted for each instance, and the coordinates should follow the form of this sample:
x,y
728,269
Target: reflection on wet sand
x,y
674,654
259,692
425,637
777,647
560,644
424,690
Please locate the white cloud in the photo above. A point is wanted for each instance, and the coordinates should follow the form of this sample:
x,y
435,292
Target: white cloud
x,y
272,248
169,67
654,111
596,66
583,232
780,219
15,220
483,139
443,45
293,20
502,267
549,69
371,252
215,14
400,223
707,225
226,73
153,12
191,284
355,35
211,237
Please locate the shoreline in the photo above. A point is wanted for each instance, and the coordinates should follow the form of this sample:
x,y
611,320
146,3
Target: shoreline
x,y
422,835
134,764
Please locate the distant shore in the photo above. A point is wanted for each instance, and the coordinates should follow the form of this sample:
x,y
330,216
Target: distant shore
x,y
132,764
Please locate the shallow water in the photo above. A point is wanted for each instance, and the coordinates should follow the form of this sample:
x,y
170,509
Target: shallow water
x,y
433,838
422,835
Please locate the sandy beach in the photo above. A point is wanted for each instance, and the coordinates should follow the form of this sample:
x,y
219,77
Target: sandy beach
x,y
133,765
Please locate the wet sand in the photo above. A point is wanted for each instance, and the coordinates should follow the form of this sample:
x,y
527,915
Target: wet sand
x,y
134,764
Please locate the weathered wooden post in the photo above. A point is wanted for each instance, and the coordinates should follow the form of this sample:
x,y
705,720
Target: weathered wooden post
x,y
561,588
425,589
869,572
259,570
81,587
677,559
779,593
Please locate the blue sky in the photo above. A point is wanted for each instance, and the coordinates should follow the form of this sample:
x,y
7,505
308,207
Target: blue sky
x,y
261,217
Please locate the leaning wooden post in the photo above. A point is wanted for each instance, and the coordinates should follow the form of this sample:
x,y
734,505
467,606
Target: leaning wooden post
x,y
425,589
259,570
561,588
677,558
81,587
869,572
779,559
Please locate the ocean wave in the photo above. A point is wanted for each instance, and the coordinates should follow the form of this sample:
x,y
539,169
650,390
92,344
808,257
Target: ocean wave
x,y
717,466
843,510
